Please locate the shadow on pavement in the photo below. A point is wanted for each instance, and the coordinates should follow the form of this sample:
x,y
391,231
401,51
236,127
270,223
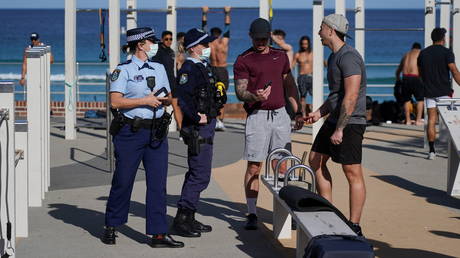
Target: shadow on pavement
x,y
383,249
251,241
431,195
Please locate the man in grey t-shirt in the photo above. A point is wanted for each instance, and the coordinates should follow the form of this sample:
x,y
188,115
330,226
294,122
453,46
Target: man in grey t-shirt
x,y
341,136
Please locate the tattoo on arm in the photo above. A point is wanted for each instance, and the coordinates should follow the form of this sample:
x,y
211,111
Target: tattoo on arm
x,y
242,93
344,117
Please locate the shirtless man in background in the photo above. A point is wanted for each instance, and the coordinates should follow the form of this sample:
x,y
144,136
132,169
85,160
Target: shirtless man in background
x,y
279,36
304,59
219,53
411,85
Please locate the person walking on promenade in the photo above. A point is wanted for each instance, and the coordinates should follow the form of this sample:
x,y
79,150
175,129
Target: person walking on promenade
x,y
411,83
219,54
304,60
139,90
435,62
341,136
262,78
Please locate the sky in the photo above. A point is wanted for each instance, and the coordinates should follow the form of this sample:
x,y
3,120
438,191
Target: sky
x,y
59,4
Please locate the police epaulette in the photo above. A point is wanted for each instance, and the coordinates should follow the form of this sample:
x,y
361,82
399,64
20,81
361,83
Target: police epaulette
x,y
126,62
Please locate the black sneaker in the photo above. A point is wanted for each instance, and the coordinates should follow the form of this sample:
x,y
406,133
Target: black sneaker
x,y
109,236
165,241
251,223
356,228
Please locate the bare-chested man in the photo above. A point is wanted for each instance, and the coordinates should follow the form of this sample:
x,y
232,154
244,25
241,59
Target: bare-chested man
x,y
34,42
411,83
219,53
304,59
279,36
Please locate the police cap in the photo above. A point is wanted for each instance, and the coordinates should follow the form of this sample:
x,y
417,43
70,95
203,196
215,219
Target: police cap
x,y
195,36
138,34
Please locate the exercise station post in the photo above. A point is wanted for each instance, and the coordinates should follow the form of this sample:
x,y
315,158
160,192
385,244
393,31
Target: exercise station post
x,y
7,170
318,57
456,40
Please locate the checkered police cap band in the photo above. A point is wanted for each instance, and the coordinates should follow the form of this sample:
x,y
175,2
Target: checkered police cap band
x,y
140,36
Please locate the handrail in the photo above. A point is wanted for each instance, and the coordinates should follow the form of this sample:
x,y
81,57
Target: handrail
x,y
304,167
269,158
278,165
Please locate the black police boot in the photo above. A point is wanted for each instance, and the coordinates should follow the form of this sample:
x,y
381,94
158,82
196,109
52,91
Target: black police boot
x,y
109,236
200,227
182,225
251,223
165,241
356,228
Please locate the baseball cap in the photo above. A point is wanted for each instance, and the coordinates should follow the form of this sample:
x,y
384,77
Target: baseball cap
x,y
196,36
260,28
438,34
338,22
34,36
138,34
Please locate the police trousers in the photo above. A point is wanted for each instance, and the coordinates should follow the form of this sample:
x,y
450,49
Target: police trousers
x,y
199,173
130,149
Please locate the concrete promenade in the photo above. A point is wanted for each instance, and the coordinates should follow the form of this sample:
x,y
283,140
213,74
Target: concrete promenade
x,y
407,213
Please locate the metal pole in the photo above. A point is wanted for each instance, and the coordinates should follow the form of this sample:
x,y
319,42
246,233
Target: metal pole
x,y
48,113
340,7
42,116
70,79
430,20
108,121
264,9
360,23
34,133
7,169
456,41
445,21
22,185
171,25
131,14
114,33
318,57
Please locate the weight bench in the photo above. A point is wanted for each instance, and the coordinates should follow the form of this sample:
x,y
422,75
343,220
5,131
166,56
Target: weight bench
x,y
309,224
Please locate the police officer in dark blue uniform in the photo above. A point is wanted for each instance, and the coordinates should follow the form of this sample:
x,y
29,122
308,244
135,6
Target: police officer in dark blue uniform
x,y
139,91
200,101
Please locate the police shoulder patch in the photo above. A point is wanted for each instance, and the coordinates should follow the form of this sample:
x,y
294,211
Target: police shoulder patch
x,y
115,75
183,79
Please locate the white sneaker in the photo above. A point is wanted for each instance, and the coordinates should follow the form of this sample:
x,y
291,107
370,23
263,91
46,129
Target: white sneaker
x,y
220,125
431,155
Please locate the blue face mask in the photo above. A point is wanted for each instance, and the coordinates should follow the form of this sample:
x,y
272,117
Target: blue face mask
x,y
153,51
205,54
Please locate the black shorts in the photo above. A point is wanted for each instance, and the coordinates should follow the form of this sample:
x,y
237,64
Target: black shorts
x,y
412,86
304,82
349,151
221,75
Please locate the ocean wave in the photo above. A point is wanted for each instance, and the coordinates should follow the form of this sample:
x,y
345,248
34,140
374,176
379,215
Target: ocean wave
x,y
55,77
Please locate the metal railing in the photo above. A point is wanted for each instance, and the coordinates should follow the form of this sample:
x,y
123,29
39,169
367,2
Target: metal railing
x,y
231,83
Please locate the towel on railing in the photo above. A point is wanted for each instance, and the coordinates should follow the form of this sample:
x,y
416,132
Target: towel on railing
x,y
303,200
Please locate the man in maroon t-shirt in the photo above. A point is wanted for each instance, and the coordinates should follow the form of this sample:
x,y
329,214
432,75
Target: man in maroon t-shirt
x,y
262,77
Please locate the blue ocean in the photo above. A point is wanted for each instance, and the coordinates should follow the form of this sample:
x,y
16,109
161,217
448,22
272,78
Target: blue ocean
x,y
381,47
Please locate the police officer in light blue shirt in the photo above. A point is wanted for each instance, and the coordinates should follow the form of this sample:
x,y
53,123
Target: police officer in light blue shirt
x,y
139,91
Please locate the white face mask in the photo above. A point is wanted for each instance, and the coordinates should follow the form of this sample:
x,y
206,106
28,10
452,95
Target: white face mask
x,y
153,51
205,54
